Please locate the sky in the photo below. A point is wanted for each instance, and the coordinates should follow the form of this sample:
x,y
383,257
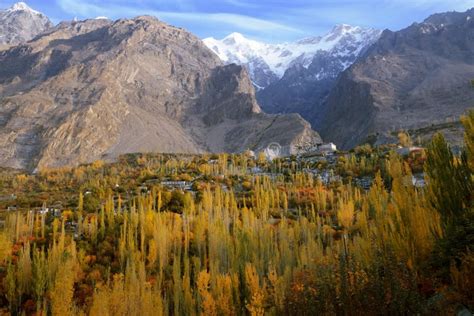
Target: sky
x,y
266,20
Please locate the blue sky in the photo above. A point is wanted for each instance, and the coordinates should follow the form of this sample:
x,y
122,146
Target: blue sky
x,y
269,20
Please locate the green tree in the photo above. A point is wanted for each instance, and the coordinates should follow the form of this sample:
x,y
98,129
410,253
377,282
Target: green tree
x,y
91,203
450,187
449,179
10,284
40,281
468,123
177,202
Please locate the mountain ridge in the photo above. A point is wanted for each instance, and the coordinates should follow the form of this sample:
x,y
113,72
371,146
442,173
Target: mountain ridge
x,y
410,79
267,63
95,89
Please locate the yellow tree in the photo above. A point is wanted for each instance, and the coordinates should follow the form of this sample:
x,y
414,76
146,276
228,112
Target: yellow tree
x,y
62,289
208,305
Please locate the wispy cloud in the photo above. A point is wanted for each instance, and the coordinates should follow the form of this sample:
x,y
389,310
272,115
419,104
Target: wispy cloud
x,y
392,14
87,9
241,4
270,20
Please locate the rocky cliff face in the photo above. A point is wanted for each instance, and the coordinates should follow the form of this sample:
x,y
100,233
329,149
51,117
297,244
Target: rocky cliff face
x,y
20,23
97,88
416,78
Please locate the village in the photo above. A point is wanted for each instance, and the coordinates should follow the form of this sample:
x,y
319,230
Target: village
x,y
325,164
109,213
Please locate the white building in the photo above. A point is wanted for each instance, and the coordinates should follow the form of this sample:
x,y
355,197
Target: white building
x,y
328,148
182,185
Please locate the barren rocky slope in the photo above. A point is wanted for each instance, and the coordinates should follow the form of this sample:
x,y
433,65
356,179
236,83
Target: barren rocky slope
x,y
97,88
418,78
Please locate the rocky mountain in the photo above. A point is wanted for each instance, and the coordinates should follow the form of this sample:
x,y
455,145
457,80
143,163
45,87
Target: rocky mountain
x,y
296,77
267,63
20,23
97,88
416,79
303,88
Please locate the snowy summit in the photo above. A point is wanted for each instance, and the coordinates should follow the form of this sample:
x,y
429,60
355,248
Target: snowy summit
x,y
20,23
275,59
21,6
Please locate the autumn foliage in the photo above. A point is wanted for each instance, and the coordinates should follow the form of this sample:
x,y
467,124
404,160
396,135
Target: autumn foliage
x,y
245,244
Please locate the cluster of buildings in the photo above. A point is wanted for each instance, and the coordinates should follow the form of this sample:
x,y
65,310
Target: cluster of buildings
x,y
179,185
275,150
55,210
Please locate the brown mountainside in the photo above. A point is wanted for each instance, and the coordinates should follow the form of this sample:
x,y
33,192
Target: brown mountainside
x,y
97,88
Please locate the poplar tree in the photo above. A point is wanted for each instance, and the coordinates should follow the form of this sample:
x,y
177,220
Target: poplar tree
x,y
450,188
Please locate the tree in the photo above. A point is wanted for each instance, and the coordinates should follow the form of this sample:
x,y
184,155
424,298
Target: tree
x,y
208,305
404,139
80,203
91,203
468,123
10,284
177,202
5,247
256,298
450,187
40,275
62,290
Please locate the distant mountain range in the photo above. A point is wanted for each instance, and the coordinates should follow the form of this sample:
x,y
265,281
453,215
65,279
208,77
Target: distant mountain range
x,y
84,90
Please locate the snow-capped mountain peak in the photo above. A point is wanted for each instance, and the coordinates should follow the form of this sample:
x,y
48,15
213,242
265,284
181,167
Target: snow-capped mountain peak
x,y
267,62
234,38
344,28
20,23
21,6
